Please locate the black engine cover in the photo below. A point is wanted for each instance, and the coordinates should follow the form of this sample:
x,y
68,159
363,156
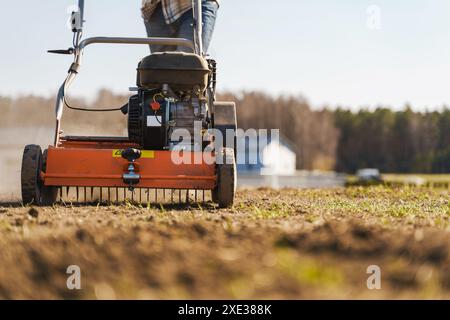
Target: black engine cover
x,y
148,127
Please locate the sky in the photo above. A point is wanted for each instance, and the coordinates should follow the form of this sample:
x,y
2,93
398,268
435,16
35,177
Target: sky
x,y
352,53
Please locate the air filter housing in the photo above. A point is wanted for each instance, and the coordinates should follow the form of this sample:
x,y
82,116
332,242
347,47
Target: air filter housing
x,y
181,71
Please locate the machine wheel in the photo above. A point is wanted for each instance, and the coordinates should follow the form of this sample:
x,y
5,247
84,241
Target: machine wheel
x,y
225,191
33,189
49,195
225,119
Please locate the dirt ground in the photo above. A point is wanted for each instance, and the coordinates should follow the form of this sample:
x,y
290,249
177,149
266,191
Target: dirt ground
x,y
295,244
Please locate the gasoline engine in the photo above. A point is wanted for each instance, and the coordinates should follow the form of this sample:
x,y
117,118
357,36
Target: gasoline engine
x,y
173,90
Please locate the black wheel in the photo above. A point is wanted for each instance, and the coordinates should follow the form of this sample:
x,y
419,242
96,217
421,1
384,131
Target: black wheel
x,y
49,195
215,195
225,120
225,190
30,176
33,189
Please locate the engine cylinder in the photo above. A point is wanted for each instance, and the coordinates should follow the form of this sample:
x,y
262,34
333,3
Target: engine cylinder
x,y
174,122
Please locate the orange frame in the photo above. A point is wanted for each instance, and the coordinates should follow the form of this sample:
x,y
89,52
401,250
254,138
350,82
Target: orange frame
x,y
92,163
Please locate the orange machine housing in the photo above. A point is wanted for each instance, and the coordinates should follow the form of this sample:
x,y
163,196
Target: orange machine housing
x,y
97,163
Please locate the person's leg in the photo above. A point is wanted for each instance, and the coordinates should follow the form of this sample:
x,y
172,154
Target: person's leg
x,y
157,27
185,29
209,15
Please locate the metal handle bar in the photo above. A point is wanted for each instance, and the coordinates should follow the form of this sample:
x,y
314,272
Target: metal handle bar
x,y
110,40
149,41
195,45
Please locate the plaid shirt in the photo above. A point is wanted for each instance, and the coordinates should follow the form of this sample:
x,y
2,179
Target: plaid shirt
x,y
172,9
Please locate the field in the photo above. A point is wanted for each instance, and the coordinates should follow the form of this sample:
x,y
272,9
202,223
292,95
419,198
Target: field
x,y
441,181
296,244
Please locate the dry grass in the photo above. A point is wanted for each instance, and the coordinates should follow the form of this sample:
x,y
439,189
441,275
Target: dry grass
x,y
273,244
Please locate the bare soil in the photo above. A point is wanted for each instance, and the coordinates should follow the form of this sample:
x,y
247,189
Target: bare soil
x,y
295,244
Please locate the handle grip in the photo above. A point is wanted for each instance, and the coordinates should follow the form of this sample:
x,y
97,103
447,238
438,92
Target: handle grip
x,y
68,51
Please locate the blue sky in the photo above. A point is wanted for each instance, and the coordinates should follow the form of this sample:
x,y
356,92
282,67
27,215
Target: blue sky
x,y
321,49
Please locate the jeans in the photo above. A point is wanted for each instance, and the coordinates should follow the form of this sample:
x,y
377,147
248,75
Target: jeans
x,y
182,28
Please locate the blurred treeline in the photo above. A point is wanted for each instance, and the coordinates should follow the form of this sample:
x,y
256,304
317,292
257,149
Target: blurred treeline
x,y
402,142
393,141
313,133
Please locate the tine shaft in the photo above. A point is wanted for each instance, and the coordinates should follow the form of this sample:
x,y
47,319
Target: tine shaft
x,y
85,197
164,195
179,195
156,195
187,195
92,193
67,193
101,194
124,193
132,196
195,195
78,194
171,195
117,195
203,194
109,194
140,195
61,198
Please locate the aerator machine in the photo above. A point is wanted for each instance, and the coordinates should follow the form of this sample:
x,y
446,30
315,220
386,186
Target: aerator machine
x,y
180,144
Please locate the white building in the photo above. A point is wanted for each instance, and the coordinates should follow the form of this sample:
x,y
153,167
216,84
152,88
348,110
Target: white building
x,y
263,155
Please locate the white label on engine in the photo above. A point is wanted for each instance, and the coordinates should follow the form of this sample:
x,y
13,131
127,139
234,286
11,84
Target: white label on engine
x,y
154,121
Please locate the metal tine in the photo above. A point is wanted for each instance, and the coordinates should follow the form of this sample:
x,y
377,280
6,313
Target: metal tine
x,y
101,194
67,193
60,192
92,194
109,194
140,195
164,195
171,195
78,194
156,195
117,195
179,195
85,195
195,195
187,195
124,194
203,195
132,196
